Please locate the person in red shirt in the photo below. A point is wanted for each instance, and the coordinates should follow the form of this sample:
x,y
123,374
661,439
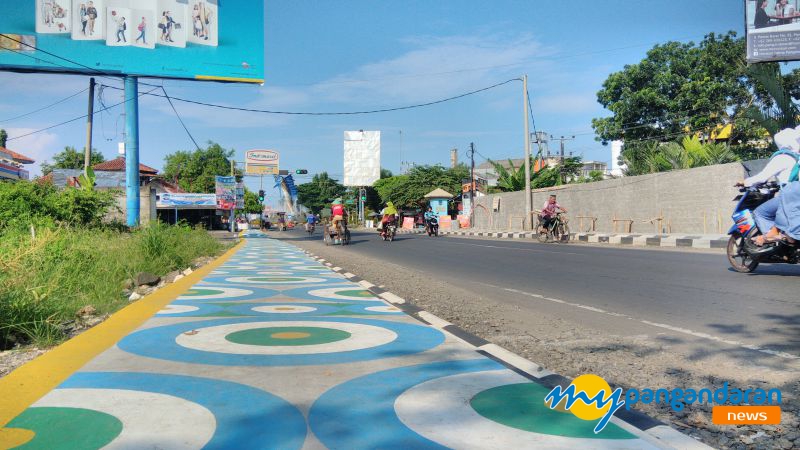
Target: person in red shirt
x,y
337,214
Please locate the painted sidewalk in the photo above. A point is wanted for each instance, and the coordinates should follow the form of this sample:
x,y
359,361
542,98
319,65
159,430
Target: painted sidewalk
x,y
271,350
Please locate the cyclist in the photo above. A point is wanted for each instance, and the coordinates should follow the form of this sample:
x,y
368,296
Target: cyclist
x,y
550,210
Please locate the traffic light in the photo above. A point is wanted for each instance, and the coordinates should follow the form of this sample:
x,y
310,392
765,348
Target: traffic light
x,y
364,198
261,196
301,171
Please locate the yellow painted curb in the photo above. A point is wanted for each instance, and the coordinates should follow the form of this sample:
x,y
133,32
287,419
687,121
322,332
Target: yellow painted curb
x,y
31,381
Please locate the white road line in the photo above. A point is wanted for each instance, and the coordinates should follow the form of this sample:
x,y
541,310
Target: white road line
x,y
654,324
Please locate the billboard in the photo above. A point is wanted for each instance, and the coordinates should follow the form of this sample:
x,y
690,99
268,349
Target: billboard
x,y
362,157
188,39
773,30
261,162
226,192
182,200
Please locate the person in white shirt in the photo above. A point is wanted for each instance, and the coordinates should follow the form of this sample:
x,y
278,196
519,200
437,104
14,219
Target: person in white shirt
x,y
780,166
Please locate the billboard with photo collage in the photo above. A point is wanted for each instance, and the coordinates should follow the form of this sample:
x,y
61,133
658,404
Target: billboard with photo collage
x,y
219,40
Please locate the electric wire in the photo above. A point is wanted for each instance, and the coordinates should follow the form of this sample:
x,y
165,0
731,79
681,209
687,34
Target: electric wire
x,y
45,107
73,119
179,118
338,113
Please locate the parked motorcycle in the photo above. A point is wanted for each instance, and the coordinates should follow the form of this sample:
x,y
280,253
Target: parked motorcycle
x,y
743,255
432,226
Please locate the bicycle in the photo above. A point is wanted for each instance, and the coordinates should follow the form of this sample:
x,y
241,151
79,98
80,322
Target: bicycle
x,y
557,230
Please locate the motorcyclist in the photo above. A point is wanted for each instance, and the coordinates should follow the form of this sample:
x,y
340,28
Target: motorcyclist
x,y
388,215
429,216
311,219
550,210
781,166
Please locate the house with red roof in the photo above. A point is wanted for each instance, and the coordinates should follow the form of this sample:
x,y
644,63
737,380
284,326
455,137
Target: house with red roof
x,y
11,165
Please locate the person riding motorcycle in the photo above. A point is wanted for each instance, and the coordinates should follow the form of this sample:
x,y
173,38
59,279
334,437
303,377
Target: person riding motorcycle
x,y
338,214
782,165
550,210
311,219
388,215
429,216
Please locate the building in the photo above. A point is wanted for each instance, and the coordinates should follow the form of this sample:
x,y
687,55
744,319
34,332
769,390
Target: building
x,y
11,165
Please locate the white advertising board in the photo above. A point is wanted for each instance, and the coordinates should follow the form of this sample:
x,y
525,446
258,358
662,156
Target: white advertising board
x,y
362,157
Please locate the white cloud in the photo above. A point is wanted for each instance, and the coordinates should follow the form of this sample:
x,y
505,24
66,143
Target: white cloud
x,y
40,146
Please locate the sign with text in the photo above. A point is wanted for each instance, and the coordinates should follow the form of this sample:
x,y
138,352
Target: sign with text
x,y
181,200
261,162
773,31
226,192
188,39
362,157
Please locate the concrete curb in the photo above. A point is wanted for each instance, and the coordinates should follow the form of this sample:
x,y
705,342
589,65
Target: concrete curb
x,y
642,240
651,430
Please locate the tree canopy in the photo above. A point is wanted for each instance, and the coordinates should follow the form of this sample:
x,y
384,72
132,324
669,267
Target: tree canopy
x,y
70,158
251,203
686,88
318,193
409,190
196,171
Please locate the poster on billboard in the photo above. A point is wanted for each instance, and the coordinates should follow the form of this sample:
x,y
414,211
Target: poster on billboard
x,y
261,162
183,200
773,30
362,157
188,39
226,192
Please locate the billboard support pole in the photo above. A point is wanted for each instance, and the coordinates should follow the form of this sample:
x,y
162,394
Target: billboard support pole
x,y
233,210
132,149
87,152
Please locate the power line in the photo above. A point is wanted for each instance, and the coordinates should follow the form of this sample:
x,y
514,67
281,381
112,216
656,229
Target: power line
x,y
179,117
73,119
45,107
347,113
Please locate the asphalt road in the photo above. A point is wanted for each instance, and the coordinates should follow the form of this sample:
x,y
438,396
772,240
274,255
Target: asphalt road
x,y
690,294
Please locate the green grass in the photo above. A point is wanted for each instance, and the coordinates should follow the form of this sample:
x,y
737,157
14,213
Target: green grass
x,y
46,280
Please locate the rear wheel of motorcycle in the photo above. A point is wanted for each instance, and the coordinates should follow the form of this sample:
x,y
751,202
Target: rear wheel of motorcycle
x,y
740,261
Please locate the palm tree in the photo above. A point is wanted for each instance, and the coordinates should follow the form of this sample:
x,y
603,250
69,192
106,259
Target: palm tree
x,y
779,111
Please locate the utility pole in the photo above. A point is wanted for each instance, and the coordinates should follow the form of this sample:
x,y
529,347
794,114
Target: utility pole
x,y
528,210
132,150
472,185
561,157
87,152
233,210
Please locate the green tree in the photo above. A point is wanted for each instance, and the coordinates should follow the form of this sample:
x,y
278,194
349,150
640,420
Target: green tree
x,y
251,203
70,158
778,110
409,190
684,88
3,138
651,157
318,193
196,171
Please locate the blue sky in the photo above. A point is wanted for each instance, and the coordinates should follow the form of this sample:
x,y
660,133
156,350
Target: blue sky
x,y
354,55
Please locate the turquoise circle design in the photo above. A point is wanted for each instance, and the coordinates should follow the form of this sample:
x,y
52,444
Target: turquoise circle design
x,y
159,343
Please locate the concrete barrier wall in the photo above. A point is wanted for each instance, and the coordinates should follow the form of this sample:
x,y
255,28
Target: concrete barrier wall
x,y
696,201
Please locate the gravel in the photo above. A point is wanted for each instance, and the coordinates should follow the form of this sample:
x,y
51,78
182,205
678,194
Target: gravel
x,y
570,349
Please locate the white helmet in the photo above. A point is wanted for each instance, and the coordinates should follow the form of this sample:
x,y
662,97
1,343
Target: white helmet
x,y
788,139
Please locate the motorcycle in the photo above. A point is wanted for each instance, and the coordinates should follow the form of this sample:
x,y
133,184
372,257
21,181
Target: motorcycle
x,y
310,228
389,230
743,255
432,226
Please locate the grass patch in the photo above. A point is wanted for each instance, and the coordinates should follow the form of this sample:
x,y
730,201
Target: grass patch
x,y
46,280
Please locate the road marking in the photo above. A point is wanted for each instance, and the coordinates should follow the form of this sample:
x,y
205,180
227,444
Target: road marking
x,y
654,324
519,249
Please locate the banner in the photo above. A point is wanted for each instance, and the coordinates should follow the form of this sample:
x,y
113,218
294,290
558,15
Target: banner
x,y
189,39
362,157
772,30
169,200
240,195
445,222
226,192
408,223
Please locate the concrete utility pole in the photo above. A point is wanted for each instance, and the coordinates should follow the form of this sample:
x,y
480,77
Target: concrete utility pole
x,y
453,158
87,152
472,185
528,209
562,140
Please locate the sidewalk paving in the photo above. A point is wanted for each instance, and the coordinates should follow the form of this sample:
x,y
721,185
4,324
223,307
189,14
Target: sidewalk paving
x,y
272,349
643,239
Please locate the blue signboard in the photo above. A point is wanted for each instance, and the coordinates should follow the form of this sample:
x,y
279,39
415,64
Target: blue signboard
x,y
181,200
194,39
